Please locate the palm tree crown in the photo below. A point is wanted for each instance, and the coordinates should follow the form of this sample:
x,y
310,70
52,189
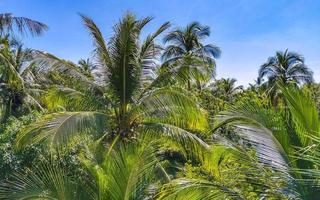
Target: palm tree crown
x,y
185,49
285,67
226,89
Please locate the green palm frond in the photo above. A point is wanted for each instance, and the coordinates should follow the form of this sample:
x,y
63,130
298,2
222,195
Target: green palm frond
x,y
60,97
148,51
172,105
9,72
47,180
255,115
234,166
57,97
303,112
264,129
56,129
125,173
47,62
309,175
100,45
189,144
125,70
196,189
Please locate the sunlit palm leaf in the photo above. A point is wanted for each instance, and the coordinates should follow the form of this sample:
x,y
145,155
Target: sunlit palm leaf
x,y
191,145
194,189
126,173
304,113
57,129
172,105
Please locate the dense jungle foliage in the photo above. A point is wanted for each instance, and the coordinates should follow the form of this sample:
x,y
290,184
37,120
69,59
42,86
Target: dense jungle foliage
x,y
146,118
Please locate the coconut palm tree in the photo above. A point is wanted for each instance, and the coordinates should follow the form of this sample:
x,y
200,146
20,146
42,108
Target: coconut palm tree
x,y
9,24
187,56
225,89
287,67
13,59
131,110
86,66
16,77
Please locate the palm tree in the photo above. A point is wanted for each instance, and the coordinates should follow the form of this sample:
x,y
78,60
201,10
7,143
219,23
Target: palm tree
x,y
16,77
86,66
131,110
187,56
287,67
13,60
10,23
225,89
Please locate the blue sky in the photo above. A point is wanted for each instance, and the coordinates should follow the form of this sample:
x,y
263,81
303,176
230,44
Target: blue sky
x,y
247,31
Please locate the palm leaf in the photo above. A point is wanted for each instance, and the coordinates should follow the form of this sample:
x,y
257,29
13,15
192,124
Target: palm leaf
x,y
171,105
45,181
24,25
196,189
56,129
125,173
304,113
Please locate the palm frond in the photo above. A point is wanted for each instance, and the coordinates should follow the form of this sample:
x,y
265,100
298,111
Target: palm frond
x,y
125,173
45,181
125,71
101,49
304,113
263,128
8,23
190,145
150,50
171,105
47,62
56,129
196,190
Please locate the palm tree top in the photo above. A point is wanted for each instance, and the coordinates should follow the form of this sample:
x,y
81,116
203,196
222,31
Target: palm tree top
x,y
287,67
189,40
9,23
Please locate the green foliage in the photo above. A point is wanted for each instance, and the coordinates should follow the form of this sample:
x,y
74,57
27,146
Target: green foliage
x,y
121,125
9,159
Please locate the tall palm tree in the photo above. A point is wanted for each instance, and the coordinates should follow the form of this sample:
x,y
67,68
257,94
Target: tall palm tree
x,y
130,110
9,24
188,56
287,67
16,77
13,60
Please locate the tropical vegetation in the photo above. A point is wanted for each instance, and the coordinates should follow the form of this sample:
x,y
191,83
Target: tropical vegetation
x,y
145,119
